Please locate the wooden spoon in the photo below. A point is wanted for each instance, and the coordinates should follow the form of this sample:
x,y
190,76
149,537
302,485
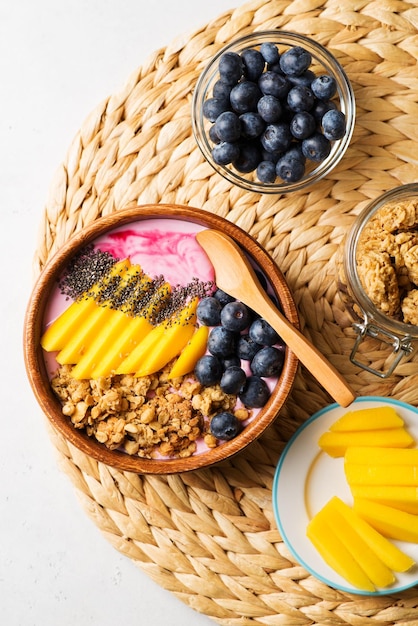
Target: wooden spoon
x,y
235,276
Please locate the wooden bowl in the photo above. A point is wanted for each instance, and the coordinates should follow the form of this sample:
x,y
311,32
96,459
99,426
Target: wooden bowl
x,y
35,357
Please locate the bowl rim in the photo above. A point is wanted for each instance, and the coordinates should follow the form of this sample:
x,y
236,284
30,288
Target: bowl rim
x,y
36,368
346,98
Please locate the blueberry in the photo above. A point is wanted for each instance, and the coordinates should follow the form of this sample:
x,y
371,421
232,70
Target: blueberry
x,y
230,67
270,52
303,124
212,134
248,158
213,107
320,107
300,98
269,108
255,392
267,362
324,87
209,311
231,361
233,379
252,124
266,172
208,370
304,79
253,62
276,137
333,125
272,84
221,90
262,332
295,61
244,97
316,147
228,126
270,156
295,152
223,297
247,348
225,426
275,67
235,316
287,112
290,170
225,152
222,342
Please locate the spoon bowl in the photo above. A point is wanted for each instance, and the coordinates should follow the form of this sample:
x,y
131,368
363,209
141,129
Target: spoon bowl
x,y
235,276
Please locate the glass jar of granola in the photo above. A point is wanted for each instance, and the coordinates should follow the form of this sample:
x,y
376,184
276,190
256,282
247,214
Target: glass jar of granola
x,y
378,275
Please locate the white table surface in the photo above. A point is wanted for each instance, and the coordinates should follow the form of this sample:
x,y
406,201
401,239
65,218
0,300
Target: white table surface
x,y
58,60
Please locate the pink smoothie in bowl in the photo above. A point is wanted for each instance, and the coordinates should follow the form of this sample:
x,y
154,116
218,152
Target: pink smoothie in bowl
x,y
161,247
151,414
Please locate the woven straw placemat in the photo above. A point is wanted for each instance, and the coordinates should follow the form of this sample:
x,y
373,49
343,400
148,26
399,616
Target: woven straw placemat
x,y
209,536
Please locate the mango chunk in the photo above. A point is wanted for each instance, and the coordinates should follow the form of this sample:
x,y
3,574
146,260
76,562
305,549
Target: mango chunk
x,y
386,475
387,520
368,419
132,334
162,344
336,443
60,331
125,342
78,342
362,474
336,553
171,343
95,323
375,455
401,497
354,548
150,342
386,550
175,337
194,349
375,569
99,346
105,343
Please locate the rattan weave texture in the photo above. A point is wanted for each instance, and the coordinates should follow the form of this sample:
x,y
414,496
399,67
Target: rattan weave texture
x,y
209,536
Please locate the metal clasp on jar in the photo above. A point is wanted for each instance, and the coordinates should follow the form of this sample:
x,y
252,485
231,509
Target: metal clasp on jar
x,y
401,346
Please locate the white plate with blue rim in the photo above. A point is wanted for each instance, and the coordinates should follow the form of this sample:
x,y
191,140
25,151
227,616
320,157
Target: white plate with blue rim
x,y
306,478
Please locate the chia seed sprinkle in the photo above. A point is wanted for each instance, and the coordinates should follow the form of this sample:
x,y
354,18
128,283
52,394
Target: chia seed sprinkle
x,y
84,271
127,288
139,295
148,300
109,290
180,296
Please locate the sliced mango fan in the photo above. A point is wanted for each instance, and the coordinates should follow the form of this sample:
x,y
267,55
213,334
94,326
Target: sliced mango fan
x,y
124,322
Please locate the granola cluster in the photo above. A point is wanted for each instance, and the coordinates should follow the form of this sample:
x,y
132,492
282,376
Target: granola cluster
x,y
387,260
151,416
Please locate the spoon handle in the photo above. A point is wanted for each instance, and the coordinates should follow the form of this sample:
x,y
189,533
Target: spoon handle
x,y
307,353
236,276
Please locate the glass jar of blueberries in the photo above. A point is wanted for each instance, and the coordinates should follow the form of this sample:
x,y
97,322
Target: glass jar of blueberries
x,y
273,112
